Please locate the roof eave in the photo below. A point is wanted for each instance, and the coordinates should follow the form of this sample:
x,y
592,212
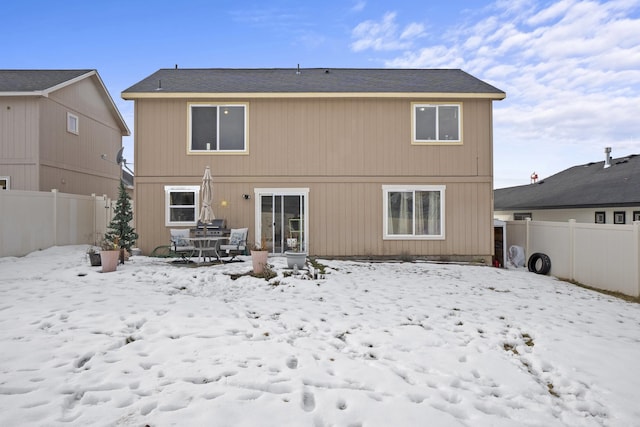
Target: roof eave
x,y
31,93
579,206
125,131
123,125
243,95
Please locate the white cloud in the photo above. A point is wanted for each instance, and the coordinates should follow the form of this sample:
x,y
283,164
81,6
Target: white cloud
x,y
359,6
556,10
571,71
385,35
412,30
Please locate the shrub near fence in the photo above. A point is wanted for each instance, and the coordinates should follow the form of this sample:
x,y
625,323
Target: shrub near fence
x,y
602,256
34,220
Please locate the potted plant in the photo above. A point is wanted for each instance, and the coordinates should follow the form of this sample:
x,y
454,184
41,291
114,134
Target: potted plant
x,y
110,254
94,256
295,255
296,258
259,255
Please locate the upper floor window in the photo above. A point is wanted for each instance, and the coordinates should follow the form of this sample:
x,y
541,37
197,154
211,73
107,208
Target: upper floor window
x,y
413,212
181,204
436,123
72,123
217,128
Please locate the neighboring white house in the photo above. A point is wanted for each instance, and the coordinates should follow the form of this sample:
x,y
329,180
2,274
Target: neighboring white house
x,y
606,192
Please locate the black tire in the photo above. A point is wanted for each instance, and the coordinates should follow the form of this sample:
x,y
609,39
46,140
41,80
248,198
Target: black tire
x,y
545,263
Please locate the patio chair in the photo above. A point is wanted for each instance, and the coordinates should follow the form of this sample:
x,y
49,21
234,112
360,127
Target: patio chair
x,y
179,245
237,243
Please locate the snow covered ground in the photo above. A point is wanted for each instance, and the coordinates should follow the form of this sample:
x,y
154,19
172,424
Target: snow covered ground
x,y
373,344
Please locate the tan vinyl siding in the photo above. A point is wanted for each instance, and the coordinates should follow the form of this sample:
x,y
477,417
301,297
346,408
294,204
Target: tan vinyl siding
x,y
345,218
19,133
38,153
73,163
343,150
315,138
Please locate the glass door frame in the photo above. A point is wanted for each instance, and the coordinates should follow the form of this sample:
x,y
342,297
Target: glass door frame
x,y
300,192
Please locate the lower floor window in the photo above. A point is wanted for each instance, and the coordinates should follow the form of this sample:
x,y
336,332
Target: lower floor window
x,y
181,204
413,212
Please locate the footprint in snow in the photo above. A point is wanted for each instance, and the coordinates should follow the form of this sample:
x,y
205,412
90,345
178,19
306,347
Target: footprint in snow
x,y
292,362
308,401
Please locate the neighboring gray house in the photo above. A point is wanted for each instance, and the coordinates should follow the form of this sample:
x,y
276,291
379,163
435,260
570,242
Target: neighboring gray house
x,y
606,192
59,129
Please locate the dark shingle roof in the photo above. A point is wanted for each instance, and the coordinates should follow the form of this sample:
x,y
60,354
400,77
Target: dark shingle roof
x,y
313,80
35,80
589,185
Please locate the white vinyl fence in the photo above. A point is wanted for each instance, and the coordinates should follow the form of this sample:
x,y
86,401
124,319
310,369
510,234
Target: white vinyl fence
x,y
34,220
602,256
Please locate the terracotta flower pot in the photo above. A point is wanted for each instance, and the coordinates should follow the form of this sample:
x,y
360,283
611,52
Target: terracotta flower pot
x,y
109,260
259,260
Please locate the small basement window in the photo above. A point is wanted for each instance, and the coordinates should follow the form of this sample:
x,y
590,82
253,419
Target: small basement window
x,y
619,217
521,216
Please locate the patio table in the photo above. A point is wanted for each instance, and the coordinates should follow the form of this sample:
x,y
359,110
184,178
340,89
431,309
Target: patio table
x,y
204,245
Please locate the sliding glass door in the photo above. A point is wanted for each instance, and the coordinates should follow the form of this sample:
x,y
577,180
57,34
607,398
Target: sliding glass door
x,y
282,219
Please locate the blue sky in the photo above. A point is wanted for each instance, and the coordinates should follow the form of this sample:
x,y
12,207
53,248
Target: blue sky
x,y
571,69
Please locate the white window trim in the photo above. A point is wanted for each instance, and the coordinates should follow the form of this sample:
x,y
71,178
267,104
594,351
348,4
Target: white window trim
x,y
74,130
416,141
385,205
6,179
168,189
245,105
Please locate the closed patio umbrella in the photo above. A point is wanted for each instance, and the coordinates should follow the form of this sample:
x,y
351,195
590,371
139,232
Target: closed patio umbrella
x,y
206,213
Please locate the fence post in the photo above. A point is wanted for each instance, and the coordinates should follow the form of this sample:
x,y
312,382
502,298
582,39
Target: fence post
x,y
527,239
94,235
55,216
636,240
572,248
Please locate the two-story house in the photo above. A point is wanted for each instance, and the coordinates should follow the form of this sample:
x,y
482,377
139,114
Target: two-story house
x,y
59,129
347,162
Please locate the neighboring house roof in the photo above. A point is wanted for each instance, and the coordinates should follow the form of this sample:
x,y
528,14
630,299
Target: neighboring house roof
x,y
446,83
44,82
24,81
127,179
589,185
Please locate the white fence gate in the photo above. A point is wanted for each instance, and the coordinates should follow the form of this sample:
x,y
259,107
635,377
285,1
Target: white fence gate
x,y
602,256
